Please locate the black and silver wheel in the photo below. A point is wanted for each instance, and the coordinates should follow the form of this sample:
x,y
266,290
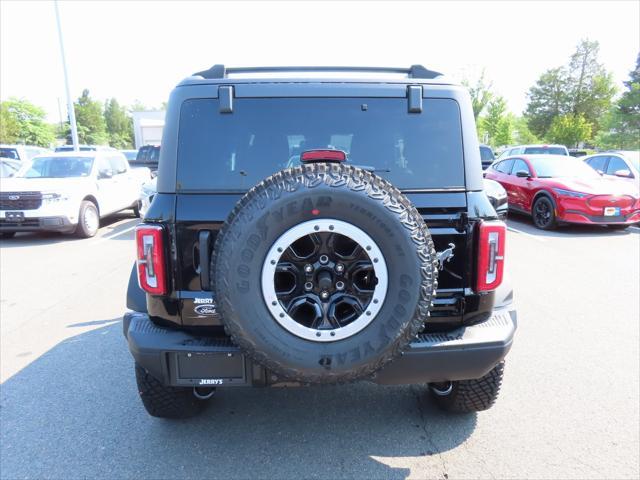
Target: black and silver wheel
x,y
88,220
136,209
324,280
544,216
324,273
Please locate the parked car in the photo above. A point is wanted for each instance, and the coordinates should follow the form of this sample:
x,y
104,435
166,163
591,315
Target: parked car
x,y
85,148
21,153
8,168
148,156
577,152
617,164
130,154
250,273
68,192
487,156
534,150
497,196
554,189
149,191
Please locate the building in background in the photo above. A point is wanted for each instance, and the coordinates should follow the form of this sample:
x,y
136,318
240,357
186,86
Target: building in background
x,y
147,127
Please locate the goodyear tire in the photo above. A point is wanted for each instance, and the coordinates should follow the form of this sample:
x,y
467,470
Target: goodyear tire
x,y
324,273
466,396
165,402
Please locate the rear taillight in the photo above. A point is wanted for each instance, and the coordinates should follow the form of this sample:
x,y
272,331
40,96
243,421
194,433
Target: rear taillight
x,y
490,269
151,264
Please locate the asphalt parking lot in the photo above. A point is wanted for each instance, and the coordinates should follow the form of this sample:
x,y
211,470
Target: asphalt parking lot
x,y
568,408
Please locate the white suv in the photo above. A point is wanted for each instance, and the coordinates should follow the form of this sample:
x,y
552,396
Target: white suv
x,y
69,192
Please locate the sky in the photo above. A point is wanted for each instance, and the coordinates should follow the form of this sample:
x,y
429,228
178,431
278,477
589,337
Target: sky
x,y
140,50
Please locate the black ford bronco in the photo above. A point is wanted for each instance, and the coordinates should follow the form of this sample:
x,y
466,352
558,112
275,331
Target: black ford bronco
x,y
318,225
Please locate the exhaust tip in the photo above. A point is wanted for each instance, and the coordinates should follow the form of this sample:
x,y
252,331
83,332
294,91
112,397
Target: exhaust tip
x,y
203,393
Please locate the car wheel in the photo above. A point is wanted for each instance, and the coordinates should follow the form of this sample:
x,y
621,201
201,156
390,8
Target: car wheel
x,y
88,220
166,402
465,396
543,213
337,262
136,209
7,235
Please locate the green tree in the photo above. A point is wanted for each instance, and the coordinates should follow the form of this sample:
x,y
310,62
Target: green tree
x,y
119,125
569,130
504,132
24,122
581,88
548,98
591,86
480,94
9,131
491,122
90,120
621,126
522,135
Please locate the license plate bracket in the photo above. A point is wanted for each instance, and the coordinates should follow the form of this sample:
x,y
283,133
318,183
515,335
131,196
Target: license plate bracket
x,y
208,369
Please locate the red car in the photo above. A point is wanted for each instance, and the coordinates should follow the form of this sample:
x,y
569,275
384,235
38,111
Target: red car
x,y
557,189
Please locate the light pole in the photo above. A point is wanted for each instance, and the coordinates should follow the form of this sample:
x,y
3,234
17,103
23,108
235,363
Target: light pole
x,y
72,113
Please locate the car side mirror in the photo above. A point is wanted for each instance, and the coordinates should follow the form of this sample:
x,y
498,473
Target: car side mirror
x,y
105,174
625,173
522,174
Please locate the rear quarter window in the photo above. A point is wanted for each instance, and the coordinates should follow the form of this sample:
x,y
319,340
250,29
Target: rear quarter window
x,y
230,152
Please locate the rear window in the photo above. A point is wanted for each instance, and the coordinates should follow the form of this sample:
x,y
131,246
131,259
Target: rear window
x,y
545,151
11,153
228,152
486,154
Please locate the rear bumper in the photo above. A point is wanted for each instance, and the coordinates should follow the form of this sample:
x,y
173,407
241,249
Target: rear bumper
x,y
575,216
38,224
180,359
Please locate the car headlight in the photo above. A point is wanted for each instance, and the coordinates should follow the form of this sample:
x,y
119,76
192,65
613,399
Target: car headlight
x,y
569,193
50,198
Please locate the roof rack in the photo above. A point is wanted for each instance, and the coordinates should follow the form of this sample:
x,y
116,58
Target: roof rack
x,y
219,71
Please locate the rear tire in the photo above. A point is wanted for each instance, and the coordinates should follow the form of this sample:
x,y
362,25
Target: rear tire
x,y
165,402
544,214
136,209
465,396
88,220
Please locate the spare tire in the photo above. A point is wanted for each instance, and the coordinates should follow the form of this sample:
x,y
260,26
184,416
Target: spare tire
x,y
324,273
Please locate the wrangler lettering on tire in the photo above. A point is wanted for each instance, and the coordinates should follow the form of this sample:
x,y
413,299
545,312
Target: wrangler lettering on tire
x,y
319,291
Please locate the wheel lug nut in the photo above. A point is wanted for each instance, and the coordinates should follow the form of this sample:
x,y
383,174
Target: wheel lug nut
x,y
308,286
324,295
340,285
339,268
324,259
308,268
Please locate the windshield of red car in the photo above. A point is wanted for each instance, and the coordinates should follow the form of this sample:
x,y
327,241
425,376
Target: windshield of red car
x,y
567,167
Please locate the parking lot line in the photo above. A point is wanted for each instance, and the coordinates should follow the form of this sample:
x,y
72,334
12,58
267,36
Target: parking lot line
x,y
535,237
122,232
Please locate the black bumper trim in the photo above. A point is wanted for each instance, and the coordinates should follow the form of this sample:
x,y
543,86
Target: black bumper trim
x,y
465,353
38,224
